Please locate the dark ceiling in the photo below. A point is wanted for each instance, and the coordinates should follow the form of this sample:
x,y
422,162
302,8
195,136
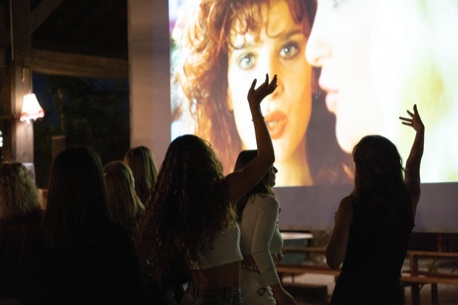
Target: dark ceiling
x,y
89,27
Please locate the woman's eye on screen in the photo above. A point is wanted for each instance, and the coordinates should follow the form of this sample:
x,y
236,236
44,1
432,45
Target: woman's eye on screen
x,y
336,3
247,61
289,51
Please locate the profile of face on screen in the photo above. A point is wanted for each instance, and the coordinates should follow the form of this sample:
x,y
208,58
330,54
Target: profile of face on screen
x,y
345,69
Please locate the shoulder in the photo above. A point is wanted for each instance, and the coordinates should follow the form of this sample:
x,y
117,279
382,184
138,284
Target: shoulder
x,y
265,198
347,201
346,207
267,201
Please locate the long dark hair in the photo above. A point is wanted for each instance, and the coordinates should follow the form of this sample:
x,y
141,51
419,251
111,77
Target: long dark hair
x,y
76,208
379,179
263,187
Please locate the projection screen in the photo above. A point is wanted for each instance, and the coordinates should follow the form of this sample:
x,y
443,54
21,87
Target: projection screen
x,y
346,69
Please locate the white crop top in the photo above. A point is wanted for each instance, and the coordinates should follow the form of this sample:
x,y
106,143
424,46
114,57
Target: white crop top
x,y
225,250
260,235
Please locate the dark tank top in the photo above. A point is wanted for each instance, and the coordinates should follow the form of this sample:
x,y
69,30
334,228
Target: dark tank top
x,y
376,249
378,241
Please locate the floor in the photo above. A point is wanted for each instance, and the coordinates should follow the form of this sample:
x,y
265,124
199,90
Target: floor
x,y
321,287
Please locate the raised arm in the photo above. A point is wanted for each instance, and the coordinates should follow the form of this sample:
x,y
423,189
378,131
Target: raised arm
x,y
242,181
412,170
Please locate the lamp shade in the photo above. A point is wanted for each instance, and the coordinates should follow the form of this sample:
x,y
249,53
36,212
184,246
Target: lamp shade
x,y
31,109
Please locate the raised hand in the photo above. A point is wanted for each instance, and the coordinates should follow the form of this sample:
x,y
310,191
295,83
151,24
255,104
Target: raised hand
x,y
414,120
255,96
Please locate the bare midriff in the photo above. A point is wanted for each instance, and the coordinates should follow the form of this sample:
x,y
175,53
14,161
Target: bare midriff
x,y
224,275
249,260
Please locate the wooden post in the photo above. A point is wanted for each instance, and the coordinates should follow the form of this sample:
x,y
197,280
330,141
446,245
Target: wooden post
x,y
20,73
415,288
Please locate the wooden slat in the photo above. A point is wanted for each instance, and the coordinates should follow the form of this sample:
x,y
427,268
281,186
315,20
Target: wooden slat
x,y
429,280
304,250
301,269
432,254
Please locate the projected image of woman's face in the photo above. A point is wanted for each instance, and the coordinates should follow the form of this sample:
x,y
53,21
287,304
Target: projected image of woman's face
x,y
379,58
277,48
221,46
340,44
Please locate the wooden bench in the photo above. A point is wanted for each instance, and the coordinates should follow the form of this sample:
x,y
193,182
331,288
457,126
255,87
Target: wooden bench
x,y
416,278
317,292
297,269
413,277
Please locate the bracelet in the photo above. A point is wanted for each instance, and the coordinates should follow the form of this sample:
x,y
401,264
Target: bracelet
x,y
258,118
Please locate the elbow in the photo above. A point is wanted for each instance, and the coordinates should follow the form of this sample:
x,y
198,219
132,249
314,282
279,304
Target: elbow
x,y
272,159
333,263
267,160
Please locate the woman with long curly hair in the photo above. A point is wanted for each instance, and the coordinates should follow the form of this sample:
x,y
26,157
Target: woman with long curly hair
x,y
192,212
222,45
373,224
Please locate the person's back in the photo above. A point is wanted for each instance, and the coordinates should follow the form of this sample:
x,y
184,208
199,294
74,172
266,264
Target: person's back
x,y
375,253
373,224
191,215
102,272
376,246
20,220
81,255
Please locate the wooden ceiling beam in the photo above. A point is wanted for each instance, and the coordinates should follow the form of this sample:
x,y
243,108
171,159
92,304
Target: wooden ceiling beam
x,y
42,12
48,62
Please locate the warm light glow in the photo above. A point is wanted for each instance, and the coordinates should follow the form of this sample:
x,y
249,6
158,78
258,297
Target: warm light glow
x,y
31,109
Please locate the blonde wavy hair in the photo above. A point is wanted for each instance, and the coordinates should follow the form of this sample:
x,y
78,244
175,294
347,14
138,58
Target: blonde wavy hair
x,y
123,204
18,193
141,163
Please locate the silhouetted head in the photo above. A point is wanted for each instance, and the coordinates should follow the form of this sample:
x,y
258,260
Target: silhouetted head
x,y
140,161
189,156
76,205
124,206
244,157
378,164
263,187
268,181
18,194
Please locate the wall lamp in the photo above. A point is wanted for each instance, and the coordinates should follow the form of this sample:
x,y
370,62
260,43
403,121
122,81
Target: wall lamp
x,y
31,109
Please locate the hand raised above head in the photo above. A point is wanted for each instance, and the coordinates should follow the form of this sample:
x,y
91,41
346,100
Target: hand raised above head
x,y
255,96
414,120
